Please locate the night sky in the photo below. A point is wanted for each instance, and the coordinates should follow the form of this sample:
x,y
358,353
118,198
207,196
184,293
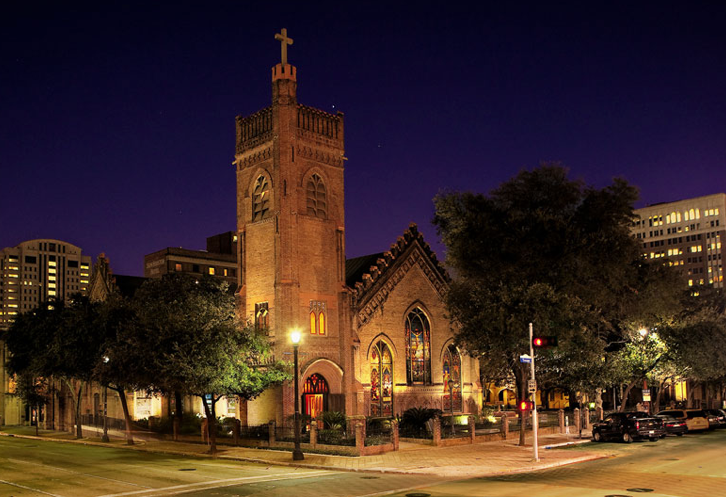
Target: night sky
x,y
117,130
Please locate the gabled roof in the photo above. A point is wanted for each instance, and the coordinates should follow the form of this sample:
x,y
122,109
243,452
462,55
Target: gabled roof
x,y
371,277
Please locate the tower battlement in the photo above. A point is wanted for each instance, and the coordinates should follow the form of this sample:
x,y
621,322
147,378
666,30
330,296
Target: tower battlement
x,y
317,122
254,129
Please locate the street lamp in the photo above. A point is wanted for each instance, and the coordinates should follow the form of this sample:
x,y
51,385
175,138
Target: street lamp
x,y
297,454
451,403
104,438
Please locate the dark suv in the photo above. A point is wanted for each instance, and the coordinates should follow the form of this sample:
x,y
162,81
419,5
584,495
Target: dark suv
x,y
627,426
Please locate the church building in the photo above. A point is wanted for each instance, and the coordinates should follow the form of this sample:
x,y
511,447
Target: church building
x,y
376,338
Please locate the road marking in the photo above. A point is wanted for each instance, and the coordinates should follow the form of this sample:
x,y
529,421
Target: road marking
x,y
77,472
192,487
28,488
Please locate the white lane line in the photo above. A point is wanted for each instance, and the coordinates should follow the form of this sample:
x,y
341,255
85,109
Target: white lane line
x,y
191,487
56,468
28,488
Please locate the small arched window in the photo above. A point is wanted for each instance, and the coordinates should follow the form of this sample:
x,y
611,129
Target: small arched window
x,y
318,325
317,202
261,199
418,348
381,380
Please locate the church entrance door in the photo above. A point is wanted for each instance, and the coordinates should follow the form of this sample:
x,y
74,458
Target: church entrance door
x,y
315,395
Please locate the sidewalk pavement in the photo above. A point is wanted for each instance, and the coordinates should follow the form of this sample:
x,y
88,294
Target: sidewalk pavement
x,y
462,461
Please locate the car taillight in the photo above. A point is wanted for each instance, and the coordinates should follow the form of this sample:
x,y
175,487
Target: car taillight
x,y
637,425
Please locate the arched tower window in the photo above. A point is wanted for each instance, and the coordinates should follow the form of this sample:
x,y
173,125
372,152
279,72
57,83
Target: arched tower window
x,y
381,380
261,199
318,322
418,348
452,371
316,197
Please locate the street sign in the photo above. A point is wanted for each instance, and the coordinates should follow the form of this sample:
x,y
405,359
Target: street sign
x,y
525,359
531,386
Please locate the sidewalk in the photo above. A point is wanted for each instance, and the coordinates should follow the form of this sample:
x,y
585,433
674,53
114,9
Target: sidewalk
x,y
463,461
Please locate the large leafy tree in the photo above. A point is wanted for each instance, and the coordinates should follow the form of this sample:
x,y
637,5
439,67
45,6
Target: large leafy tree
x,y
193,343
60,341
545,249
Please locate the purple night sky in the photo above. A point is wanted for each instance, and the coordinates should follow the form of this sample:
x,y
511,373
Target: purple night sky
x,y
117,130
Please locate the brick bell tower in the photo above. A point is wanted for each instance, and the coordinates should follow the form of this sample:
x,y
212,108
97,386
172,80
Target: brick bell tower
x,y
291,237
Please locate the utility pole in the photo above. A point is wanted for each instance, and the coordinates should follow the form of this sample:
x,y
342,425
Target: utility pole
x,y
532,387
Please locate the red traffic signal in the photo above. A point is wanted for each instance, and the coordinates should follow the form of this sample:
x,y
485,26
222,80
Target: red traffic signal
x,y
544,342
524,405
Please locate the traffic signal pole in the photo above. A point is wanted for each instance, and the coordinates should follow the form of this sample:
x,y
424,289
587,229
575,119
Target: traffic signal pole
x,y
535,421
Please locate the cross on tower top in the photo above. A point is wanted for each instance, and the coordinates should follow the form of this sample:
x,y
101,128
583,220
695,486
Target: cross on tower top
x,y
284,42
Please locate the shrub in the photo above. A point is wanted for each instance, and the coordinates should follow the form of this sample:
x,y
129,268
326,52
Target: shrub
x,y
333,420
414,421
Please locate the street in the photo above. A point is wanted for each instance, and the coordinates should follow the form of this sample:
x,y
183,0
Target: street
x,y
33,468
689,466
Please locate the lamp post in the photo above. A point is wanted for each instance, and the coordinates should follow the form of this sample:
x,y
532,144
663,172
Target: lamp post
x,y
297,454
451,404
104,438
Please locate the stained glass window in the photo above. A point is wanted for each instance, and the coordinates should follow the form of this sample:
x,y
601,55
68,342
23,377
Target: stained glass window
x,y
315,393
261,199
316,197
261,315
418,348
452,371
381,380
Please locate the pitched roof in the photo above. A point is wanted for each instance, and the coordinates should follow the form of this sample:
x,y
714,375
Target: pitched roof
x,y
363,273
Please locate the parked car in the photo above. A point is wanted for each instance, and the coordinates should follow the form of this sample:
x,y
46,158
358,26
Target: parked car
x,y
695,419
719,417
627,426
672,426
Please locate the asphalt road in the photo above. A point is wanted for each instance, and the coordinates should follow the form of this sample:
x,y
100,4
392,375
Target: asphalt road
x,y
689,466
36,468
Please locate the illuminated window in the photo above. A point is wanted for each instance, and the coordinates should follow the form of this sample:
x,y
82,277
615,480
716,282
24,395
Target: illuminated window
x,y
316,197
262,313
211,271
225,271
452,371
177,267
261,199
418,348
318,325
381,380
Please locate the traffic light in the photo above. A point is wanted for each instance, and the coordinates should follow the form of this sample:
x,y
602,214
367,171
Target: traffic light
x,y
524,405
544,342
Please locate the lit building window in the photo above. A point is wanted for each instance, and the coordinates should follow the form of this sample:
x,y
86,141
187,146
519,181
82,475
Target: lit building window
x,y
318,325
262,315
418,348
177,267
211,271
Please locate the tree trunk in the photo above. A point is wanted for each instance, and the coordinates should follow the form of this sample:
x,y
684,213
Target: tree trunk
x,y
658,396
211,425
179,410
127,417
76,399
521,375
630,386
690,394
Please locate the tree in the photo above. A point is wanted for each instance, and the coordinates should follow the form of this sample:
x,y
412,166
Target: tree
x,y
544,249
194,344
60,341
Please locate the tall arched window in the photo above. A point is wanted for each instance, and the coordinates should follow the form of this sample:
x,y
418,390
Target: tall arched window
x,y
316,197
418,348
261,199
452,371
381,380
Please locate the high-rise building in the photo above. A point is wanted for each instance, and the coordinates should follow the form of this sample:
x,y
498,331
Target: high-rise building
x,y
30,273
39,270
688,233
